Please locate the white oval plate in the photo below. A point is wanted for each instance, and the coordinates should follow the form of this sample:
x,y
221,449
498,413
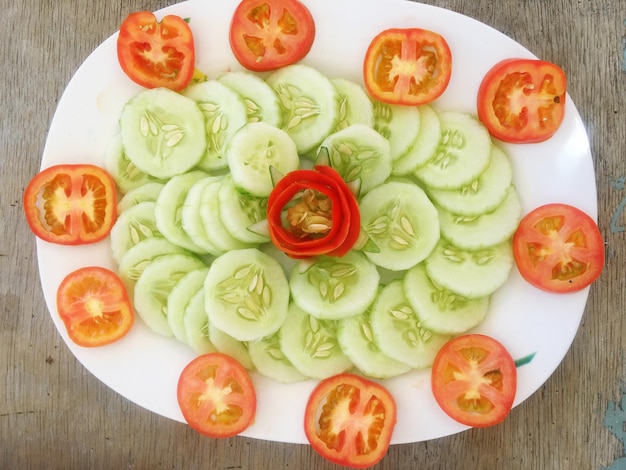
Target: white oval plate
x,y
144,367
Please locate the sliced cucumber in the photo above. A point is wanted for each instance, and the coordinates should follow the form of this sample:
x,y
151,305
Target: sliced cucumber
x,y
425,144
239,211
484,194
355,106
146,192
334,288
253,150
178,300
270,361
163,132
196,325
402,222
398,124
154,286
477,232
231,346
471,274
360,153
260,100
462,155
247,294
224,112
311,345
398,331
439,309
310,104
131,227
356,339
192,221
168,209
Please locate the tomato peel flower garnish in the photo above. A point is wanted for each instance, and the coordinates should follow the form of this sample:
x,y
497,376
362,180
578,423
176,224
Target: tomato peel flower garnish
x,y
312,213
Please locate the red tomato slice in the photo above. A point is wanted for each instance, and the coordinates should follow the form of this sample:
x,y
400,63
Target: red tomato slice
x,y
407,66
522,100
268,34
156,54
474,380
558,248
94,306
216,395
349,420
71,204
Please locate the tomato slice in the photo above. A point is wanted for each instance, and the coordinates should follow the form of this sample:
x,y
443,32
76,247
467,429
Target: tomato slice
x,y
71,204
94,306
558,248
474,380
268,34
522,100
349,420
156,54
407,66
216,395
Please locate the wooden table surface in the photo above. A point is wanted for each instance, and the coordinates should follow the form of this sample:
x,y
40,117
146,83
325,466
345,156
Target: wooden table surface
x,y
56,415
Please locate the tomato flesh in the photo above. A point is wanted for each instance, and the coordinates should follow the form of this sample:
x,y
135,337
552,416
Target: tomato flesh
x,y
156,54
216,395
558,248
522,100
94,306
71,204
474,380
268,34
407,66
349,420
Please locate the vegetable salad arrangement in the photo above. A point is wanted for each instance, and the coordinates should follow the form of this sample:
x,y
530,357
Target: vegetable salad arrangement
x,y
307,226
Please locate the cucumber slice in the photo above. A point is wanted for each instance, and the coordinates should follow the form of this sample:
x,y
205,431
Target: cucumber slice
x,y
358,152
439,309
260,100
355,106
146,192
169,206
224,112
126,175
239,211
253,150
311,345
246,294
229,345
462,155
135,224
310,104
477,232
471,274
484,194
356,339
163,132
192,222
179,298
398,124
334,288
196,324
400,219
398,331
270,361
425,144
154,286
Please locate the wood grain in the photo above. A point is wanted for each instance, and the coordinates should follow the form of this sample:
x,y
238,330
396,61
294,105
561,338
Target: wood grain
x,y
56,415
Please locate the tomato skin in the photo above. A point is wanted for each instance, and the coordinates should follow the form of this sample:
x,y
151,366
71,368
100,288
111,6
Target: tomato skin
x,y
558,248
522,100
216,380
156,54
482,366
408,67
268,34
350,405
71,204
94,306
